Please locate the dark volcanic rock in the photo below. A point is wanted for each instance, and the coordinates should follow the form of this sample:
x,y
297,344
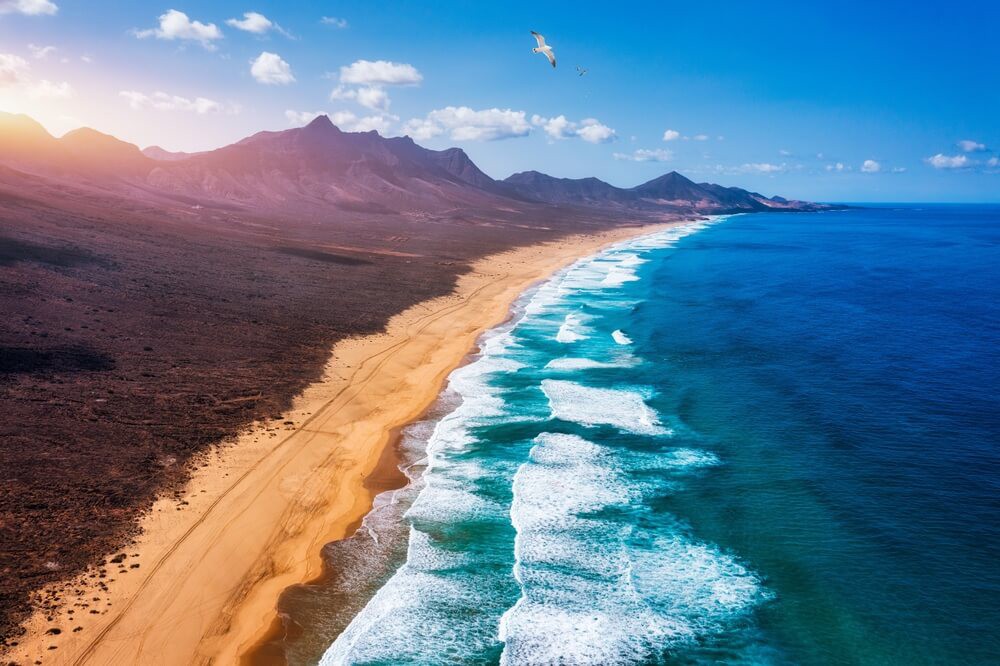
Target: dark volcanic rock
x,y
14,360
672,187
669,193
579,191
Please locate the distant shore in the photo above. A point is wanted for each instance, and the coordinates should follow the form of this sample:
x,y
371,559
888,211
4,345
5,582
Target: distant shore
x,y
207,570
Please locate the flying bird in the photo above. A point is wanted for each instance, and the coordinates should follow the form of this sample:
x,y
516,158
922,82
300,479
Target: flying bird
x,y
581,70
543,48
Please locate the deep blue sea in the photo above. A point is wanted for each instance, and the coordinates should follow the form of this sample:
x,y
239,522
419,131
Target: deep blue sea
x,y
763,439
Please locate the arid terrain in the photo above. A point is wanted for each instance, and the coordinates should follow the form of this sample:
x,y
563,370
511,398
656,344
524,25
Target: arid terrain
x,y
154,307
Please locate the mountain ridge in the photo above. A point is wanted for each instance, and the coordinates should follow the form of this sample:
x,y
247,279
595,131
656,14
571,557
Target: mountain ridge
x,y
671,189
319,167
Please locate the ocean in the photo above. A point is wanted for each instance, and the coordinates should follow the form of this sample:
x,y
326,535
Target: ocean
x,y
756,439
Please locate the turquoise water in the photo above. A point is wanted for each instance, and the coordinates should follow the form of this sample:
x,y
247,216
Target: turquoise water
x,y
760,439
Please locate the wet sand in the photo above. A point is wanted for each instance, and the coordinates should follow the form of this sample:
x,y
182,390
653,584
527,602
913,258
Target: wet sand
x,y
200,583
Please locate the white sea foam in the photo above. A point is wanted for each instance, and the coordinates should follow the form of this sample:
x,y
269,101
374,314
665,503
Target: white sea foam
x,y
691,458
425,555
588,596
577,364
566,478
588,483
619,275
664,596
620,338
705,584
545,297
624,409
609,269
631,259
403,623
572,329
677,461
612,302
449,505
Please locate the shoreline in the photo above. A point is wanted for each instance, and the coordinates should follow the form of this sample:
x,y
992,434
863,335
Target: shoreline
x,y
201,582
385,477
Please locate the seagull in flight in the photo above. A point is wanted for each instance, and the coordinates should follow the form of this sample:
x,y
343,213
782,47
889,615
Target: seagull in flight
x,y
582,70
543,48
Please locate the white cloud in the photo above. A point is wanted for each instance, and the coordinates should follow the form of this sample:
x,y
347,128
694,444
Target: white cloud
x,y
380,72
268,68
785,153
380,123
302,117
41,52
940,161
342,92
46,88
590,130
422,129
87,59
870,166
28,7
15,72
970,146
766,168
258,24
839,166
898,169
345,120
465,124
646,155
372,97
165,102
370,79
763,167
253,22
993,162
557,128
334,21
673,135
177,25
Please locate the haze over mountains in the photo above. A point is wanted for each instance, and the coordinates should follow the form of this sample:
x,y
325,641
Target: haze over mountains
x,y
316,169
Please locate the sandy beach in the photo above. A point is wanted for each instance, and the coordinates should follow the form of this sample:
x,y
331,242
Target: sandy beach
x,y
200,583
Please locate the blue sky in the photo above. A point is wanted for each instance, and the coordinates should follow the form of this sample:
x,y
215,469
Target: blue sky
x,y
840,101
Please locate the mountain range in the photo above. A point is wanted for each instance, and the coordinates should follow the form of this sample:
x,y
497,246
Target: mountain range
x,y
318,168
